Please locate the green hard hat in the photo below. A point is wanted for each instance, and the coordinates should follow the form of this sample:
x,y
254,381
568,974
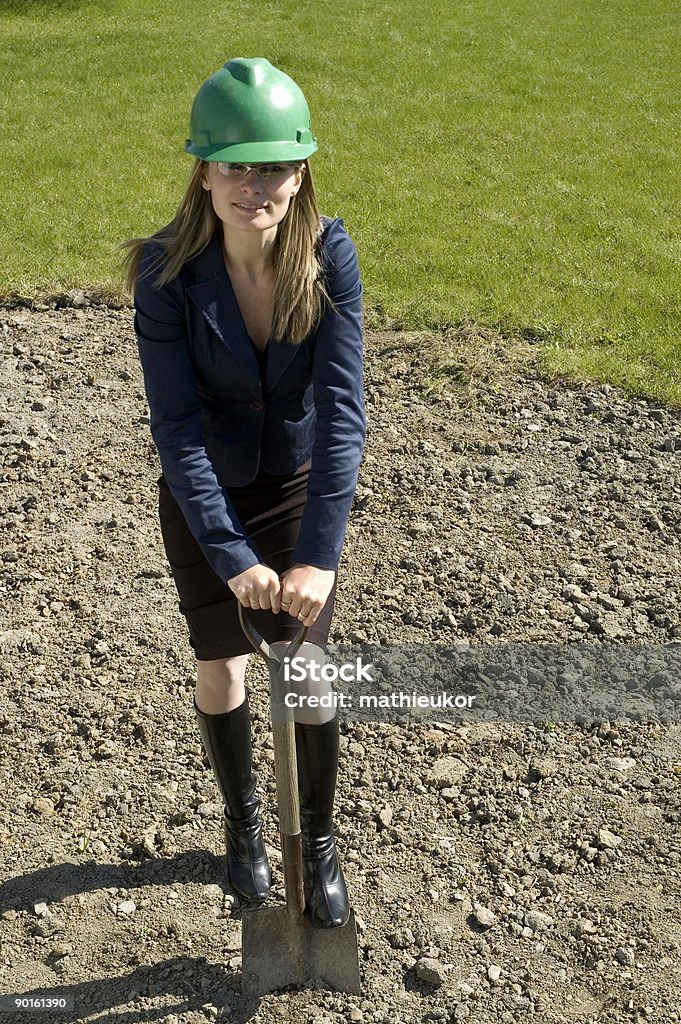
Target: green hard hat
x,y
250,112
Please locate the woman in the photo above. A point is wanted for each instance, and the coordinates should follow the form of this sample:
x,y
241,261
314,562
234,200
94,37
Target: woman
x,y
248,320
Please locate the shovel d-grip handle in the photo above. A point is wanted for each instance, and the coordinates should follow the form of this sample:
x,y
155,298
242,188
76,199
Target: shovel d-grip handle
x,y
285,764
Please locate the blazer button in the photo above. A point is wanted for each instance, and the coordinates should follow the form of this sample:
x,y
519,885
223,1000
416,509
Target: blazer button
x,y
257,406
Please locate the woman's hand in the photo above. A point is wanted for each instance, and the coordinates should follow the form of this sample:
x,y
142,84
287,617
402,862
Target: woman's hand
x,y
304,590
257,587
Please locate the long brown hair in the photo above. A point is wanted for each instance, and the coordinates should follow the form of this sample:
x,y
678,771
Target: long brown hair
x,y
300,295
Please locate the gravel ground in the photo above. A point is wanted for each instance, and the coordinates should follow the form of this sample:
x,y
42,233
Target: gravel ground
x,y
500,872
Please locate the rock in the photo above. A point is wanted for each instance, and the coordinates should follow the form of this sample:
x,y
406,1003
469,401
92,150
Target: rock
x,y
431,971
484,917
584,926
494,972
607,840
43,806
126,907
356,1014
147,842
46,927
106,750
403,938
625,956
214,893
535,520
384,816
446,772
41,909
620,764
61,950
538,921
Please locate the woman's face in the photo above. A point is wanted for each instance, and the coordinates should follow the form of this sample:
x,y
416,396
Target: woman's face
x,y
248,203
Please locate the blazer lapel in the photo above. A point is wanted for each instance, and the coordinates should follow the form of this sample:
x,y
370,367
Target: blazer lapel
x,y
278,358
214,298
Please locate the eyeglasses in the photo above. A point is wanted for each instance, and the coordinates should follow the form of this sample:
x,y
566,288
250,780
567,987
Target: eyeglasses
x,y
271,173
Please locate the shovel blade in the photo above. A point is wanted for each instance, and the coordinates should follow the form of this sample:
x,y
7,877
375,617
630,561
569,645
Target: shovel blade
x,y
279,950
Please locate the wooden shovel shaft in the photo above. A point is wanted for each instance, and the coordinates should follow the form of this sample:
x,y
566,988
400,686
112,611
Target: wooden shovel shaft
x,y
286,773
285,766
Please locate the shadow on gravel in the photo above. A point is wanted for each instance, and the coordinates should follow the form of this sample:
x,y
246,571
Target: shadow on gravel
x,y
61,880
192,979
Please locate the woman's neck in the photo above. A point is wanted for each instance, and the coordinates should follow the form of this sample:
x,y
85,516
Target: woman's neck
x,y
248,254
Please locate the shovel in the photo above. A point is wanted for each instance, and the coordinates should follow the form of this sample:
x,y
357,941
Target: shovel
x,y
280,946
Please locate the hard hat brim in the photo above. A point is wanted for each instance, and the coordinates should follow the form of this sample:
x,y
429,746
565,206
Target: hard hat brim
x,y
253,152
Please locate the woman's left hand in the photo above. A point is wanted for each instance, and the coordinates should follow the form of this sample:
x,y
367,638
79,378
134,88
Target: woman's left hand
x,y
304,590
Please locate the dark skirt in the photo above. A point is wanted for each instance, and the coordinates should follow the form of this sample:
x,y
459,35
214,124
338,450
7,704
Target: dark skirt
x,y
270,510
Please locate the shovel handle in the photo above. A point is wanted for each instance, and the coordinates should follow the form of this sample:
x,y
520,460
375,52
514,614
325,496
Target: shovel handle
x,y
285,764
283,729
261,646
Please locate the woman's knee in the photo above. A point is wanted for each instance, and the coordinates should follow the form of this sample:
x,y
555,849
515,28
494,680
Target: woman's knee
x,y
220,684
305,678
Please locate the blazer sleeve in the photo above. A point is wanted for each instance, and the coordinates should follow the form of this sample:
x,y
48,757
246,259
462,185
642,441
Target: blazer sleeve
x,y
339,404
160,326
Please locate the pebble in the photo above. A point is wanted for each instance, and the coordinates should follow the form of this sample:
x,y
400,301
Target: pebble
x,y
385,816
484,916
535,520
61,950
43,806
625,956
494,972
126,907
446,772
620,764
47,926
356,1014
585,926
214,893
538,921
431,971
403,938
607,840
41,909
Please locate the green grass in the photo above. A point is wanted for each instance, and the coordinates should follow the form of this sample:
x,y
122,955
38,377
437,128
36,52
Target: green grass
x,y
511,163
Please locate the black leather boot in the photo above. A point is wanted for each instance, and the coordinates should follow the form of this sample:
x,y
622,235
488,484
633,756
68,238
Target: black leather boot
x,y
326,897
227,742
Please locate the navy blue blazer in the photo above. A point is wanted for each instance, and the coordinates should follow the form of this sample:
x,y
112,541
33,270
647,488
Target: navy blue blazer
x,y
215,422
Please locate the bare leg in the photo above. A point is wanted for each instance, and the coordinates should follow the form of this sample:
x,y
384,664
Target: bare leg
x,y
309,687
220,684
